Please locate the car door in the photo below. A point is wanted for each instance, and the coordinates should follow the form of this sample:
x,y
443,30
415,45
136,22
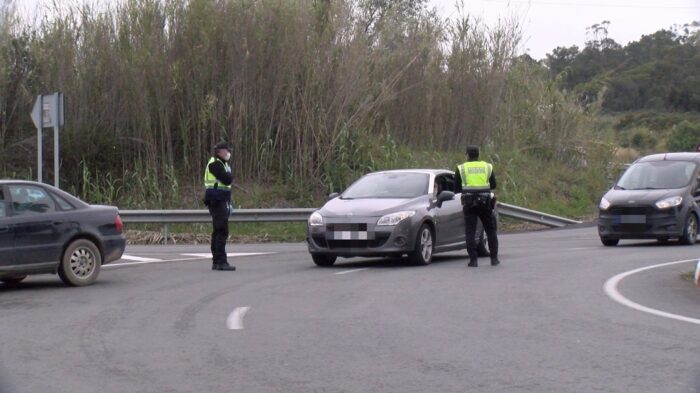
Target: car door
x,y
38,237
450,227
6,231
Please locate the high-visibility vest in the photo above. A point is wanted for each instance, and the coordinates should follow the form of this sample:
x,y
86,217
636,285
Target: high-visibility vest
x,y
210,180
475,175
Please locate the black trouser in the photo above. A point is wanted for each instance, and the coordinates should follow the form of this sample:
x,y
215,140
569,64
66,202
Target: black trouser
x,y
485,214
219,214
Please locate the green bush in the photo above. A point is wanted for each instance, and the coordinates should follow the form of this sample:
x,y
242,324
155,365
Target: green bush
x,y
684,137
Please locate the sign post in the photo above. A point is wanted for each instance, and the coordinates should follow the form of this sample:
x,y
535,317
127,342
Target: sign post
x,y
47,113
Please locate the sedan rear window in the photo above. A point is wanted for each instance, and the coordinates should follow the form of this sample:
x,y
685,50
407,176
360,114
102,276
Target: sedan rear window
x,y
657,175
389,185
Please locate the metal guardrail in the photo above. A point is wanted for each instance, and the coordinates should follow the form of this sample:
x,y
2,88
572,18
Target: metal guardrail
x,y
534,216
166,217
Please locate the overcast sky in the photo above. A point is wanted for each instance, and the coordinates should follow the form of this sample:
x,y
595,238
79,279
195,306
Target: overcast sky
x,y
551,23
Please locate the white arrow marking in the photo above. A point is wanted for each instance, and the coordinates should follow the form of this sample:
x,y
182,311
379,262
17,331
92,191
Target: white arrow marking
x,y
235,319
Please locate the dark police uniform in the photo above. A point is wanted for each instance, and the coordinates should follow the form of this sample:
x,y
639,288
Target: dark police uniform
x,y
475,180
217,197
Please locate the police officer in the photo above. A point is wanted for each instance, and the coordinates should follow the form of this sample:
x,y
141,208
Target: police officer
x,y
217,180
475,180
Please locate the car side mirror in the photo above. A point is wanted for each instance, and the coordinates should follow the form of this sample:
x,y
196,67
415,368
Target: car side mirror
x,y
445,196
333,195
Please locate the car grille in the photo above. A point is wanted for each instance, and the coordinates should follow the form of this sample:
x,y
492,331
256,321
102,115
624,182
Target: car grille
x,y
631,210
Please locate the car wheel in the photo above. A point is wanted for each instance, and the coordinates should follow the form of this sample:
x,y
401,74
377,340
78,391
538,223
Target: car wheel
x,y
690,230
609,242
482,248
13,280
323,260
80,264
423,250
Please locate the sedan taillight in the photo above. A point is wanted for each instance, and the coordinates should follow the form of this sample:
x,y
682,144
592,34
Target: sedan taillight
x,y
118,223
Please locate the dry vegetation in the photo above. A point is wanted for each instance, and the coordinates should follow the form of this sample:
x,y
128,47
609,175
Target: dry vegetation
x,y
312,93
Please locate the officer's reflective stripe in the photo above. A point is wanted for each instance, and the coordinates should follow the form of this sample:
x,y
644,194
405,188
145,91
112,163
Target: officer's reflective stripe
x,y
210,180
475,174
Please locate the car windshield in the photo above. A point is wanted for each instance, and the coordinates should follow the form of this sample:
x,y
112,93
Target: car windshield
x,y
389,185
657,175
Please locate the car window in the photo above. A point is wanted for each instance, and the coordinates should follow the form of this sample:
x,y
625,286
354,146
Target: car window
x,y
657,175
62,203
3,204
389,185
28,200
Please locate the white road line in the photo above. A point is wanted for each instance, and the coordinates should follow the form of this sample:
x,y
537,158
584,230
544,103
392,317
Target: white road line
x,y
351,271
150,262
230,254
611,290
697,275
235,319
139,259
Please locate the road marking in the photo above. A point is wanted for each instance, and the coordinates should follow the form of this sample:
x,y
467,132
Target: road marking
x,y
697,275
194,257
230,254
235,319
611,290
139,259
351,271
150,262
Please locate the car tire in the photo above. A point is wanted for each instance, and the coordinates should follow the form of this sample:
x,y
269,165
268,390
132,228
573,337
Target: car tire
x,y
422,253
323,260
80,264
482,248
13,280
690,230
609,242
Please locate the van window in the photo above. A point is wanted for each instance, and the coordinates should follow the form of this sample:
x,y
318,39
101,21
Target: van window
x,y
3,204
657,175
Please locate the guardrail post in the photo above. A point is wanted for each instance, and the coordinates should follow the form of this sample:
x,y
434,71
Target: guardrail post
x,y
165,233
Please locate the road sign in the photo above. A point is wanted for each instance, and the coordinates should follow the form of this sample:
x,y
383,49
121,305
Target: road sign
x,y
47,113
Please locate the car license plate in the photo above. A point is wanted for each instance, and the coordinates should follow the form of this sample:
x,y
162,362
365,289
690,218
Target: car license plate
x,y
633,219
349,235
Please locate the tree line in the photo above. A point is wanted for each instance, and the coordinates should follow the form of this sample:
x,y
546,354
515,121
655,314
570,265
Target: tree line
x,y
310,92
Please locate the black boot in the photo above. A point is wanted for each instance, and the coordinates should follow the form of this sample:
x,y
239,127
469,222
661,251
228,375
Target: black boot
x,y
473,262
223,266
495,261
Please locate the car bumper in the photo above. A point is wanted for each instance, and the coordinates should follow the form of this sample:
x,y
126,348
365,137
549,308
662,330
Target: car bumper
x,y
652,225
345,237
113,248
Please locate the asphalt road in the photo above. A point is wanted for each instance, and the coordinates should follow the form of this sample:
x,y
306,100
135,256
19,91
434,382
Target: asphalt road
x,y
540,322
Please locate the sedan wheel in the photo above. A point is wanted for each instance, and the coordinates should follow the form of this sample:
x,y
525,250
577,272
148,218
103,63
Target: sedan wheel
x,y
690,233
423,251
80,264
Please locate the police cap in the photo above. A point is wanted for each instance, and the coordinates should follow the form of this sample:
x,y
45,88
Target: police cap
x,y
222,146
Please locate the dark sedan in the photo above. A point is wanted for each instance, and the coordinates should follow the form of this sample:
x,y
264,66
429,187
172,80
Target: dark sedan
x,y
45,230
391,213
656,198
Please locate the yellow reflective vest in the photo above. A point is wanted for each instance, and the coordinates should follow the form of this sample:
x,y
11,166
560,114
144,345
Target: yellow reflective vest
x,y
210,180
475,175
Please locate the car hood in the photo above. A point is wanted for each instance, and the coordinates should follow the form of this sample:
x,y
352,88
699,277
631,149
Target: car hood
x,y
375,207
640,197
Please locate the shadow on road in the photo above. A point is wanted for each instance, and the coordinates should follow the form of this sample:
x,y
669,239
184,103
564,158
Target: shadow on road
x,y
390,263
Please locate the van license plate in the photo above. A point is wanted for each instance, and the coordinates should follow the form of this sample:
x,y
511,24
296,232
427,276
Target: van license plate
x,y
633,219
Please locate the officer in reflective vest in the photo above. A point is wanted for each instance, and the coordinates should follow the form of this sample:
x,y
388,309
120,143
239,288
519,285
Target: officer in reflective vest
x,y
217,197
475,180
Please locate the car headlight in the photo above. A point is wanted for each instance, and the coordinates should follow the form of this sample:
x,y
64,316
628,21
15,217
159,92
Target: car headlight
x,y
669,202
604,204
316,219
395,218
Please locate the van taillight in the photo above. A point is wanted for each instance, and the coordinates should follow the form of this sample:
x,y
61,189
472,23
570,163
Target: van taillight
x,y
118,223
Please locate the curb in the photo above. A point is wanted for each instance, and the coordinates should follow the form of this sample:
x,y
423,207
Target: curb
x,y
697,275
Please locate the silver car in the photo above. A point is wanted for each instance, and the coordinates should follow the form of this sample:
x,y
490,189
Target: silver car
x,y
393,213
